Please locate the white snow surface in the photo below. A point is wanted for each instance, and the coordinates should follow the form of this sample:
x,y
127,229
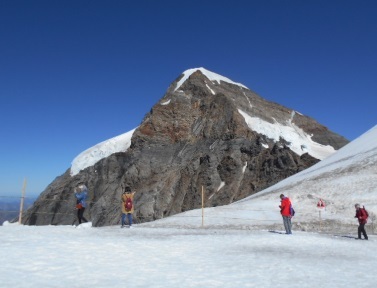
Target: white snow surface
x,y
210,75
300,141
102,150
239,245
64,256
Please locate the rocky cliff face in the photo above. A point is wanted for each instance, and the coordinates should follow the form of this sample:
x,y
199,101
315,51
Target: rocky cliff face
x,y
207,132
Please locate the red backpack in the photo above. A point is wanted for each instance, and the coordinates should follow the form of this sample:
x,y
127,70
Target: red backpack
x,y
128,204
366,212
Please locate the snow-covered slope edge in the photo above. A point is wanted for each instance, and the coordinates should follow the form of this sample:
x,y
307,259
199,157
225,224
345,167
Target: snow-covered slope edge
x,y
360,154
347,177
102,150
300,142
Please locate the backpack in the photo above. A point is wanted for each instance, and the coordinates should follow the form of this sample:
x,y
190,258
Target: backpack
x,y
292,211
128,204
366,212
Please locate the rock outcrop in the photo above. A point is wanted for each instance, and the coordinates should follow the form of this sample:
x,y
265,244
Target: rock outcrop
x,y
205,132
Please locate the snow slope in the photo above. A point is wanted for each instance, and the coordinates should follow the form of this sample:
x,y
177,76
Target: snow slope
x,y
300,142
102,150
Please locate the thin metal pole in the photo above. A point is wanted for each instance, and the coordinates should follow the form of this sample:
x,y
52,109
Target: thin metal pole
x,y
22,202
320,221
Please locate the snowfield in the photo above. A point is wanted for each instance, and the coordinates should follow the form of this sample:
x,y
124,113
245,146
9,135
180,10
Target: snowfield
x,y
65,256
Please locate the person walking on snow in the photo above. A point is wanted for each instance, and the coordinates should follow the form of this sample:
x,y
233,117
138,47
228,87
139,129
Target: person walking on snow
x,y
285,211
81,194
362,216
127,206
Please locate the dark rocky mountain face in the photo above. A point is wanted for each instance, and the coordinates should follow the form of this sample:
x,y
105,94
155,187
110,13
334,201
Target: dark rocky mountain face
x,y
194,137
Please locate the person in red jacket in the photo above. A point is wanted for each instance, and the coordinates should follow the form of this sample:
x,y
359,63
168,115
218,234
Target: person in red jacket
x,y
285,211
362,216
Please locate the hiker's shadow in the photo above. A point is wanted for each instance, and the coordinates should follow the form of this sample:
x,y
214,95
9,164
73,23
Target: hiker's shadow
x,y
276,232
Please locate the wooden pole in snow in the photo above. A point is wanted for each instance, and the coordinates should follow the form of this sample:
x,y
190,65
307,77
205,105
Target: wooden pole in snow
x,y
202,206
22,202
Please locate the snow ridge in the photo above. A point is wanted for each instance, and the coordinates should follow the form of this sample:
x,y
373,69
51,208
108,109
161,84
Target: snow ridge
x,y
210,75
102,150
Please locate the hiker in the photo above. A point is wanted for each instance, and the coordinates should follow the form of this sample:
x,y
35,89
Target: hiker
x,y
127,206
285,211
81,193
362,216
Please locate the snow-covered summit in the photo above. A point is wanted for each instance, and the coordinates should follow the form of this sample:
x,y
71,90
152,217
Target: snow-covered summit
x,y
102,150
210,75
300,141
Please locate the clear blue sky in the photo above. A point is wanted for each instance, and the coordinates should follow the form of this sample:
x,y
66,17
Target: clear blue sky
x,y
76,73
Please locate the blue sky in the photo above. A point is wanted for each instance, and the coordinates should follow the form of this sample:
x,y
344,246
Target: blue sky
x,y
76,73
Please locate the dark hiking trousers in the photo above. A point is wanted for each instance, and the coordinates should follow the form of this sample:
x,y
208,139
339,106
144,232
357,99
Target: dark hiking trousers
x,y
360,230
80,215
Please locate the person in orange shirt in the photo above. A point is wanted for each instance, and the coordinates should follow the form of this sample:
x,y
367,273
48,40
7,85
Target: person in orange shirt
x,y
127,206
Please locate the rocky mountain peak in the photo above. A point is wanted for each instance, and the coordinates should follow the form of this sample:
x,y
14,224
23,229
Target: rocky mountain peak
x,y
190,111
207,131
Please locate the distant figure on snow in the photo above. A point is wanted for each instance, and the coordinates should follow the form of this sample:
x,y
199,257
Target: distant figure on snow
x,y
362,216
127,206
285,211
81,193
